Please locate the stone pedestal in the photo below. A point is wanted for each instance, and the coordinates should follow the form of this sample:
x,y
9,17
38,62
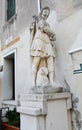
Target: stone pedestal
x,y
45,111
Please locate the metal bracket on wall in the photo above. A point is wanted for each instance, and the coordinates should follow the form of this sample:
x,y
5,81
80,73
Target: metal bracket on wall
x,y
78,71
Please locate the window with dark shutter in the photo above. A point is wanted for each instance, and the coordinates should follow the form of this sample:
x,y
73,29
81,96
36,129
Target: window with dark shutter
x,y
10,8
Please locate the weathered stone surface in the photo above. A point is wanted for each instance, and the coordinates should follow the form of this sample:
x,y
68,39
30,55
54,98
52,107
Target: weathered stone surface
x,y
45,110
46,90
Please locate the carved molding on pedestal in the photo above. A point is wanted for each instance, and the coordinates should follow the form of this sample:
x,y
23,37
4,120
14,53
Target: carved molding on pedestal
x,y
76,115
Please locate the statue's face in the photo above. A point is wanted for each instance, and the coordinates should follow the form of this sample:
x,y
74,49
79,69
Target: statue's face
x,y
45,14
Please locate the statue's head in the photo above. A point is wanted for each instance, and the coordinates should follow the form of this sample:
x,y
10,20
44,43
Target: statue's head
x,y
45,12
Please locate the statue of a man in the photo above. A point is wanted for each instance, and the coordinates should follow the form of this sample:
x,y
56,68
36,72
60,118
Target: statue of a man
x,y
41,47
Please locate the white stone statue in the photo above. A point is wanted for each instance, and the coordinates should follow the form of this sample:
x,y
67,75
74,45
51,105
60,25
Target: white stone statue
x,y
42,51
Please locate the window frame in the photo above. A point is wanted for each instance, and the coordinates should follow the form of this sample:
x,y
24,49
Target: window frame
x,y
10,9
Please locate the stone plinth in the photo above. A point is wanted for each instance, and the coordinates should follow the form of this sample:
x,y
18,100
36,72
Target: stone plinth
x,y
46,90
45,111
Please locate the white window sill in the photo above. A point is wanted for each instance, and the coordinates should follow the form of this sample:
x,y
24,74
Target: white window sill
x,y
9,102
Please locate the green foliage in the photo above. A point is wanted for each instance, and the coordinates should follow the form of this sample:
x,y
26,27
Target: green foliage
x,y
13,117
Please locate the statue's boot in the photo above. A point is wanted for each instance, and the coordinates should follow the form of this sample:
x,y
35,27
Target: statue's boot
x,y
52,82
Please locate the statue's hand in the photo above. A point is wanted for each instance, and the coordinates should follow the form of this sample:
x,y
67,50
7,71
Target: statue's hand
x,y
52,37
32,26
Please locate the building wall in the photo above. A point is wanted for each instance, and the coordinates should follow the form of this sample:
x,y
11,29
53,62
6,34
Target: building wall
x,y
9,33
67,32
63,8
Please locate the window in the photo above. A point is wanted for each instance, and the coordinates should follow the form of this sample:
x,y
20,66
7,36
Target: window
x,y
10,8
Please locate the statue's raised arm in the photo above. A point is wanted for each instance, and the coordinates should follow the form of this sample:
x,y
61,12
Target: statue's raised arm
x,y
33,29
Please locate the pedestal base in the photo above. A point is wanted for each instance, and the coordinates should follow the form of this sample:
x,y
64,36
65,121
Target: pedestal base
x,y
45,111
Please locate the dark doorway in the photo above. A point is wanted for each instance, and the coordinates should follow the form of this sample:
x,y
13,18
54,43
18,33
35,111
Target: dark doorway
x,y
9,76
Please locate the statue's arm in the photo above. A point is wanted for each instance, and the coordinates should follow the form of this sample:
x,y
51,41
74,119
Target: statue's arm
x,y
32,26
50,33
32,30
46,29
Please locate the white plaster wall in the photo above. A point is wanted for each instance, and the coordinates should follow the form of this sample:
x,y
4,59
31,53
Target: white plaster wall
x,y
25,10
1,75
23,63
77,45
22,69
66,33
64,8
2,3
0,88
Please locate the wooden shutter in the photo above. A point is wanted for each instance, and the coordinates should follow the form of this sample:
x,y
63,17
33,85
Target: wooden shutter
x,y
10,8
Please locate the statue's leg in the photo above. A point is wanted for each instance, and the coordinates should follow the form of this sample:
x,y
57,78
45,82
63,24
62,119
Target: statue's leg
x,y
35,65
52,78
50,64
